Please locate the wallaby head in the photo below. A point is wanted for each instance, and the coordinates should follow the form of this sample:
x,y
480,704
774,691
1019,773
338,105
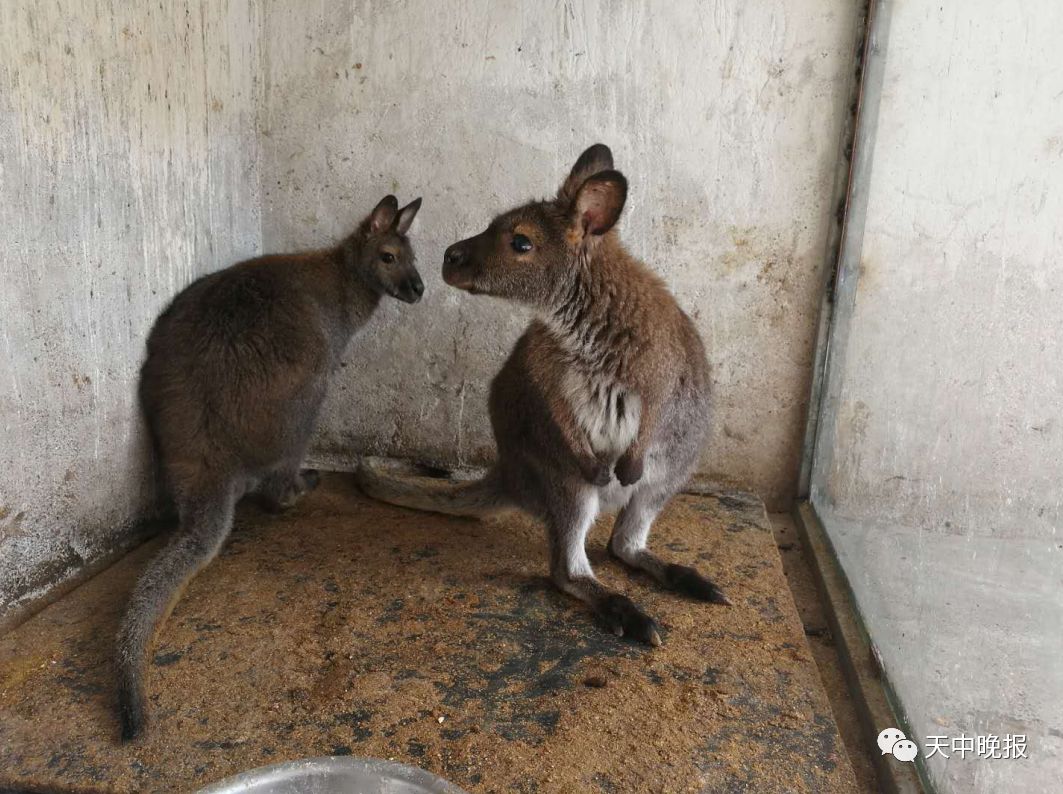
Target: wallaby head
x,y
530,253
380,253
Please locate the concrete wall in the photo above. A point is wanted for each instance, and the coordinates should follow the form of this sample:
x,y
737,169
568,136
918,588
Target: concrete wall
x,y
143,145
724,116
939,468
127,165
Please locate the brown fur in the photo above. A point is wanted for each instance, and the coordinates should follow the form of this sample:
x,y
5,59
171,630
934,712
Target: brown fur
x,y
603,402
236,371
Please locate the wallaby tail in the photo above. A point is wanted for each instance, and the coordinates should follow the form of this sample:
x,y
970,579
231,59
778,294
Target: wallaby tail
x,y
205,522
481,497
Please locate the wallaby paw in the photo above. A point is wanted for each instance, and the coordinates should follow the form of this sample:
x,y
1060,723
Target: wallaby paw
x,y
311,479
596,473
625,619
282,502
282,495
629,470
686,580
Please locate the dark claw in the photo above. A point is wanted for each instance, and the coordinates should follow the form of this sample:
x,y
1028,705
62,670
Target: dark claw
x,y
688,581
625,619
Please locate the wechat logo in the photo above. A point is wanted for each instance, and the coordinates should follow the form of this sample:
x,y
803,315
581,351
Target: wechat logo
x,y
893,741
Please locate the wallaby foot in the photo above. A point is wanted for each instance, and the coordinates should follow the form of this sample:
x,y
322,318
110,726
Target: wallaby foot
x,y
282,490
680,578
686,580
628,544
571,571
625,619
619,613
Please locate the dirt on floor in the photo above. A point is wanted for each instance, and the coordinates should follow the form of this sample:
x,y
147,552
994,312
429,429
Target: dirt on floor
x,y
347,627
802,582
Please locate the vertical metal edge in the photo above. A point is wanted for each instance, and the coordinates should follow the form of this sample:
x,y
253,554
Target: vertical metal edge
x,y
844,246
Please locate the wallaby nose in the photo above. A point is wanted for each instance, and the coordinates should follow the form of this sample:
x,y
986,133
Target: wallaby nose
x,y
454,255
455,265
411,289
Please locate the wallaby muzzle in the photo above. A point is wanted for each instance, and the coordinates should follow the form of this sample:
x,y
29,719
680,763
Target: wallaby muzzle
x,y
462,263
408,289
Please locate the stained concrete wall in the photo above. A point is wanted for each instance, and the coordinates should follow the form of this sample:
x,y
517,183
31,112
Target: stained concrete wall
x,y
724,116
127,164
939,468
143,145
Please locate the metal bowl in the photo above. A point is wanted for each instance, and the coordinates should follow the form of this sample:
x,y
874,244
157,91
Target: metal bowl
x,y
338,775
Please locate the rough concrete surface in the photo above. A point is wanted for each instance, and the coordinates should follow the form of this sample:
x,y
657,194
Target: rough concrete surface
x,y
351,627
938,469
127,168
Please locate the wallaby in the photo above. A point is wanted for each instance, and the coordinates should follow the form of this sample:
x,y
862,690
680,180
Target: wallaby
x,y
610,379
235,374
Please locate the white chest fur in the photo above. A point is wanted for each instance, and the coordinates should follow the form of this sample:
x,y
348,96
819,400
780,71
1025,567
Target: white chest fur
x,y
608,413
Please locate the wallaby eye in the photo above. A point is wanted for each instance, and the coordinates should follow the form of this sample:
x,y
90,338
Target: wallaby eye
x,y
387,257
521,244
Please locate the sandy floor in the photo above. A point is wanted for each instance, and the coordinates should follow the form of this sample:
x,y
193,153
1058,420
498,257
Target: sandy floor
x,y
349,627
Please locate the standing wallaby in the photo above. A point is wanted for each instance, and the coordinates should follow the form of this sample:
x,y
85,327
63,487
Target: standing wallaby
x,y
611,379
236,370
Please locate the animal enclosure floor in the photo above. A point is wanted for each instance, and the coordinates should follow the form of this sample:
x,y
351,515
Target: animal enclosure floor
x,y
349,627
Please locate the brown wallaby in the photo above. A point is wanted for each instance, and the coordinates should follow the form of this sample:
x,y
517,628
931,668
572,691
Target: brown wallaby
x,y
611,379
236,370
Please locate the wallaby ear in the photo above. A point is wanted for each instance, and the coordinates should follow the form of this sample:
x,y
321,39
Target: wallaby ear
x,y
599,202
406,216
383,215
596,159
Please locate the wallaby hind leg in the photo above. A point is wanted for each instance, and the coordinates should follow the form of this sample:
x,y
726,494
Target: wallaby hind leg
x,y
205,521
568,525
628,543
281,489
